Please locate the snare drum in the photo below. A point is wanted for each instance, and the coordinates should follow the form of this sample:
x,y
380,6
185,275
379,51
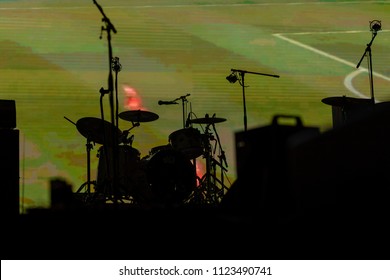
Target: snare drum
x,y
188,141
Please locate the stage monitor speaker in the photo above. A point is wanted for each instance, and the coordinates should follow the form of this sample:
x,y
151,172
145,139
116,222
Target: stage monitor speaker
x,y
7,114
9,171
346,168
261,155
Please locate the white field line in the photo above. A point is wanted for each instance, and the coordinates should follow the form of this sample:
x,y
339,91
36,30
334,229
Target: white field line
x,y
199,6
348,79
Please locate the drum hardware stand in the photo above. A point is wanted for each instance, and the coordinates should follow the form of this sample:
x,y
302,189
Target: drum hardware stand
x,y
88,183
125,133
375,26
89,147
222,160
232,78
213,188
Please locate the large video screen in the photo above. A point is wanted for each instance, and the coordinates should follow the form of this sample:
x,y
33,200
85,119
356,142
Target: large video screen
x,y
70,63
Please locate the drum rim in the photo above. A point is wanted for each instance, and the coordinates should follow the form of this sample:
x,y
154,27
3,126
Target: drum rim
x,y
184,129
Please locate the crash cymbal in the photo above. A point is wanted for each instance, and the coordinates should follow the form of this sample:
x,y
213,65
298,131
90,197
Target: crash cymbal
x,y
138,116
207,120
97,130
344,101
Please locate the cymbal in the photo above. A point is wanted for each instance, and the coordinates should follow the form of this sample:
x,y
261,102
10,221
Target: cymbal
x,y
138,116
343,101
97,130
207,120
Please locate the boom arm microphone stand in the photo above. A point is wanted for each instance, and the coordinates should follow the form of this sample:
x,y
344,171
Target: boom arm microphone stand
x,y
375,26
183,103
232,78
184,108
110,27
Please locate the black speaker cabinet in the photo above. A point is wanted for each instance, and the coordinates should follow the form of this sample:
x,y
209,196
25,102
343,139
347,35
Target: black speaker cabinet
x,y
346,168
9,171
261,158
7,114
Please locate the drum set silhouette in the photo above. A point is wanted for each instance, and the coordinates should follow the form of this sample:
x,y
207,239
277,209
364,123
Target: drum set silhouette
x,y
166,176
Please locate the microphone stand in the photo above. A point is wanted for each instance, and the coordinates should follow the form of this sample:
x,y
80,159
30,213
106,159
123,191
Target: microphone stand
x,y
242,83
117,67
184,113
370,75
110,27
183,100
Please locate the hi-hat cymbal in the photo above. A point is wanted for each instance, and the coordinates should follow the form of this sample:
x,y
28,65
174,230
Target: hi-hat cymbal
x,y
207,120
344,101
98,130
138,116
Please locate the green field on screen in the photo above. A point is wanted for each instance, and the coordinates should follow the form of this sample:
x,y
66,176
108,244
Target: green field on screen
x,y
53,64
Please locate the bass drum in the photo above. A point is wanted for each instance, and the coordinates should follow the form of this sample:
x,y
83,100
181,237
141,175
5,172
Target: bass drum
x,y
128,170
170,176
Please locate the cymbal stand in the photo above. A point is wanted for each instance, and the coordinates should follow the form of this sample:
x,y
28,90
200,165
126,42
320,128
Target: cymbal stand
x,y
211,186
201,194
222,160
89,146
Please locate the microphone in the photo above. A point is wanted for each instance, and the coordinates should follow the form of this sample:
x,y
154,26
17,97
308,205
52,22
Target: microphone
x,y
375,25
232,78
166,102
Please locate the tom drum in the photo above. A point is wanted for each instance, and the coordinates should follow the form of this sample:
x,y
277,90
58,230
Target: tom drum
x,y
188,141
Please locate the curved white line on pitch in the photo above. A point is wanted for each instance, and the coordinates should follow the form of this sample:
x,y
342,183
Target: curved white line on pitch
x,y
348,83
348,78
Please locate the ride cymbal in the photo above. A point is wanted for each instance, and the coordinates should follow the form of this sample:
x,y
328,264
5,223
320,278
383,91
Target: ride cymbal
x,y
98,130
138,116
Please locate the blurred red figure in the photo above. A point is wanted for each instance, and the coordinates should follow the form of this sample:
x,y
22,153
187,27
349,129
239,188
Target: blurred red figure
x,y
132,100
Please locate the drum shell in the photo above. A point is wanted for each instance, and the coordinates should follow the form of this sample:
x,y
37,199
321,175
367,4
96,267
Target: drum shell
x,y
171,177
128,169
188,141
